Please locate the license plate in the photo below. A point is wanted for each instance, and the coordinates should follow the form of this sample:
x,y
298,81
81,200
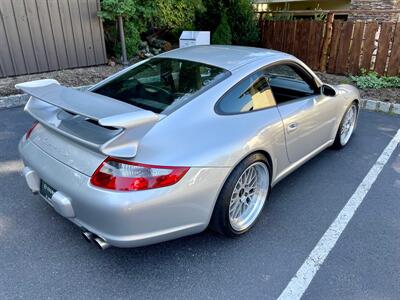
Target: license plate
x,y
46,190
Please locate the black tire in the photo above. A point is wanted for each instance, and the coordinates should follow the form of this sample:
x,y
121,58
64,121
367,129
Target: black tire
x,y
220,217
337,144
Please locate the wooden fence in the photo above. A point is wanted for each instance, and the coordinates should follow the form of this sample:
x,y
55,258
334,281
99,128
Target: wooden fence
x,y
338,47
46,35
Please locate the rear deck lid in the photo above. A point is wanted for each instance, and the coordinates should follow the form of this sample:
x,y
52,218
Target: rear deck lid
x,y
101,123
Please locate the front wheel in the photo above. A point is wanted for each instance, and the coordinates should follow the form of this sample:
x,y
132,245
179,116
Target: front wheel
x,y
242,197
346,127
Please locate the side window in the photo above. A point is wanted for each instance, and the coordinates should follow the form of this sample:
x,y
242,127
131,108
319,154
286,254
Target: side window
x,y
289,82
283,71
252,93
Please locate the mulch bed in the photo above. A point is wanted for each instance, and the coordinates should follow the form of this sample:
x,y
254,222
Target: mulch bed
x,y
91,75
386,95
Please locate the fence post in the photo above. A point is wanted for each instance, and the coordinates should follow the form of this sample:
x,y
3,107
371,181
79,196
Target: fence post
x,y
327,41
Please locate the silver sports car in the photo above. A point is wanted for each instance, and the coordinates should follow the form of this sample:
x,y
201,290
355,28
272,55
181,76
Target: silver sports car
x,y
191,138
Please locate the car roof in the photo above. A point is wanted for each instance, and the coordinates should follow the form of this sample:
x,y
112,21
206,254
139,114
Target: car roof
x,y
226,57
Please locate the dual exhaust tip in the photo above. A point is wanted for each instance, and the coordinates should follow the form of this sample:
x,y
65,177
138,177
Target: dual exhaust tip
x,y
98,241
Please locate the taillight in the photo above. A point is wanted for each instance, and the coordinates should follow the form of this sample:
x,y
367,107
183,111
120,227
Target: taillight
x,y
29,132
120,175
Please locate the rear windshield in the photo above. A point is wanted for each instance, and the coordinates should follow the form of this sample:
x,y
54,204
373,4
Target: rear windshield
x,y
162,85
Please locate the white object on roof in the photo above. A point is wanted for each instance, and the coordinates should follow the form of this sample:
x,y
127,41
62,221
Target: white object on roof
x,y
194,38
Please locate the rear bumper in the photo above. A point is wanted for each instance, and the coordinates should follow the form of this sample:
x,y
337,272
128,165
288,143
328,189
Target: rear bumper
x,y
126,219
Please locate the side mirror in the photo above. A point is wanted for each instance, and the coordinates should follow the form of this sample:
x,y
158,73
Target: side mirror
x,y
327,90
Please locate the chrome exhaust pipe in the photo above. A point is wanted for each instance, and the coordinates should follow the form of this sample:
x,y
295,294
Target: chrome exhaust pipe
x,y
102,244
88,236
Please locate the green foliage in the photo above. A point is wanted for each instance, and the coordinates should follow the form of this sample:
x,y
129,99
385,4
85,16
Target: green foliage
x,y
230,21
133,12
210,17
319,15
371,80
243,23
279,17
132,39
111,9
176,15
282,15
143,15
241,19
222,34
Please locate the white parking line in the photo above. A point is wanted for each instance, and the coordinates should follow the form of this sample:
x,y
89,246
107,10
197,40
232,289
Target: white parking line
x,y
300,282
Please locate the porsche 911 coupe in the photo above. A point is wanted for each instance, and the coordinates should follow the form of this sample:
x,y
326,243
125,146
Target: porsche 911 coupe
x,y
189,139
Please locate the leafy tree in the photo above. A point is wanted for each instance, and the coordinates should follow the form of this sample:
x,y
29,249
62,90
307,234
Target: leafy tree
x,y
132,39
176,15
244,25
241,19
142,16
111,9
210,17
222,34
114,9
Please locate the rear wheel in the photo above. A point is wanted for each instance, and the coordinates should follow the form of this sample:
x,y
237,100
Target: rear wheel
x,y
346,127
242,197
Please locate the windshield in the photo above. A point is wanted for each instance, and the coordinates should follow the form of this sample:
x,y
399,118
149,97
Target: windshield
x,y
162,85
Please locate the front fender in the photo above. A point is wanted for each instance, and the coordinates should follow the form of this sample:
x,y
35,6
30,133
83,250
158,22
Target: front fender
x,y
346,94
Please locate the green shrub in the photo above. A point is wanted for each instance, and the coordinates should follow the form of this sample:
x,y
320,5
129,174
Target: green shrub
x,y
132,40
210,17
111,9
243,23
371,80
222,34
142,16
128,10
241,19
176,15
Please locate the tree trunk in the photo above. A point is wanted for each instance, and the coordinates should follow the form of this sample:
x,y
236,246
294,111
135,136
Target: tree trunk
x,y
122,39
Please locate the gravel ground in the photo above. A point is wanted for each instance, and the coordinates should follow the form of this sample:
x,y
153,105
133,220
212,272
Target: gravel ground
x,y
91,75
70,77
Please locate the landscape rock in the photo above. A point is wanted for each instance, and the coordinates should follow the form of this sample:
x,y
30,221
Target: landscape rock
x,y
167,46
143,45
155,51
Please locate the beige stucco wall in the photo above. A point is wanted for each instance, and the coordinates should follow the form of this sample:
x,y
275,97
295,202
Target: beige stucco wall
x,y
311,5
302,5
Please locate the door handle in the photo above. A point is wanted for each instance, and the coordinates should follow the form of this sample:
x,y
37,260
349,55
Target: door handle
x,y
292,127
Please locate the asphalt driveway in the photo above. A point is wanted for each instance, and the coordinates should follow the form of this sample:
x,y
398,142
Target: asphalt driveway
x,y
43,255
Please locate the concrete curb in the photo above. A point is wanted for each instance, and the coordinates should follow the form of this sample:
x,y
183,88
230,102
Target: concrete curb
x,y
381,106
21,99
386,107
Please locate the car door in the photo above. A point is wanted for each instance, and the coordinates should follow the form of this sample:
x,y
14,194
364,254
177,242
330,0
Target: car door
x,y
307,115
252,119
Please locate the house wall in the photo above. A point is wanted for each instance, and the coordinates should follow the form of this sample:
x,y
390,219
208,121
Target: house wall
x,y
375,6
312,5
264,5
46,35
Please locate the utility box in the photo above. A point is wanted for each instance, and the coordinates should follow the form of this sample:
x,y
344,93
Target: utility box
x,y
194,38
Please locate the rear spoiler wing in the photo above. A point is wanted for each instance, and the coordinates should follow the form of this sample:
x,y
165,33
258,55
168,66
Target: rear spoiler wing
x,y
132,121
